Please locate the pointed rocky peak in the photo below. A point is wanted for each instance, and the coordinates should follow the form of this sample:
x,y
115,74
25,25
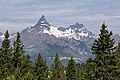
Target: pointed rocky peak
x,y
42,18
42,22
77,26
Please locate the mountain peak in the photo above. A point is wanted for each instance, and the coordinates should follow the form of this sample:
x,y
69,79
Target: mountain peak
x,y
42,22
77,25
42,18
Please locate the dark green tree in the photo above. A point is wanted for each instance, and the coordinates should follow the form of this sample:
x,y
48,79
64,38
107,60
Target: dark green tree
x,y
40,69
71,73
103,48
17,74
4,73
5,57
17,54
6,43
26,65
114,64
18,51
90,69
11,77
29,76
20,61
80,71
118,61
57,69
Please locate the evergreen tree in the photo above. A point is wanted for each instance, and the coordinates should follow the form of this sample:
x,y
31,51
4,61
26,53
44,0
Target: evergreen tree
x,y
11,77
26,65
29,76
17,74
20,61
71,70
40,68
103,48
6,43
90,69
18,51
4,73
114,64
57,69
80,71
118,61
17,55
5,57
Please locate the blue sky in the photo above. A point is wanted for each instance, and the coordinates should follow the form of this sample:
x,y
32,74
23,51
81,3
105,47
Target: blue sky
x,y
16,15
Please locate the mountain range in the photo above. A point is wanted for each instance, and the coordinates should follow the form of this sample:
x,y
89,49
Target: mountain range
x,y
74,41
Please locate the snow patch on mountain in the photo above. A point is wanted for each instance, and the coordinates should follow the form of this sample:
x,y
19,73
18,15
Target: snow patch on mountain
x,y
2,37
42,21
68,33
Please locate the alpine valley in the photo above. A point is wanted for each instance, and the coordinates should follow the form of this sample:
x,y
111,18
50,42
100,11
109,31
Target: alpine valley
x,y
74,41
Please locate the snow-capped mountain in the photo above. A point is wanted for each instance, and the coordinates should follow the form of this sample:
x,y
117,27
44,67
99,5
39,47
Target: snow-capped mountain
x,y
74,41
76,31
